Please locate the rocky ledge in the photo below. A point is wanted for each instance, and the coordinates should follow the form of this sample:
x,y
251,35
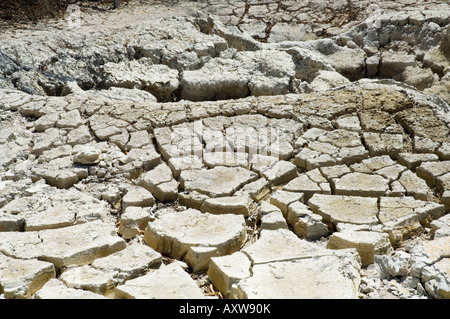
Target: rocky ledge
x,y
191,156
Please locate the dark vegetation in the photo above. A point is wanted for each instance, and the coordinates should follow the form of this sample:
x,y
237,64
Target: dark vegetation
x,y
32,10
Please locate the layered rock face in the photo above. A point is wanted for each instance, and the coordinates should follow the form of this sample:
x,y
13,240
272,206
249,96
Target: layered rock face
x,y
237,149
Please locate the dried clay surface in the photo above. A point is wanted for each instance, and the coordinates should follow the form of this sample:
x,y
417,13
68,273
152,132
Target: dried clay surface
x,y
227,149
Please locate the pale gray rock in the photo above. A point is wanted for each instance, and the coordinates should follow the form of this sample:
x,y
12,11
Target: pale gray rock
x,y
256,190
444,151
303,184
137,140
271,217
327,80
367,243
394,63
345,209
80,135
302,126
227,205
275,280
360,184
167,192
431,170
403,216
131,262
160,80
393,266
429,262
440,227
217,80
71,120
137,196
218,181
231,159
225,271
133,221
59,174
88,278
46,121
158,175
54,153
78,244
424,144
178,234
44,141
56,289
384,144
414,186
281,172
282,199
192,199
86,154
56,216
305,223
122,94
265,72
146,157
168,282
280,258
412,161
22,278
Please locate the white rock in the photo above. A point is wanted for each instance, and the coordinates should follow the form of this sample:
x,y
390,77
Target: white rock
x,y
88,278
177,233
55,289
132,261
368,244
137,196
219,181
86,154
132,221
168,282
305,222
393,266
227,205
22,278
227,270
78,244
282,199
345,209
271,217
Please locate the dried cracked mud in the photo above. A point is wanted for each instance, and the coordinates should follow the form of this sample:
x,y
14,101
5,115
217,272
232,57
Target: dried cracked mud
x,y
227,149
